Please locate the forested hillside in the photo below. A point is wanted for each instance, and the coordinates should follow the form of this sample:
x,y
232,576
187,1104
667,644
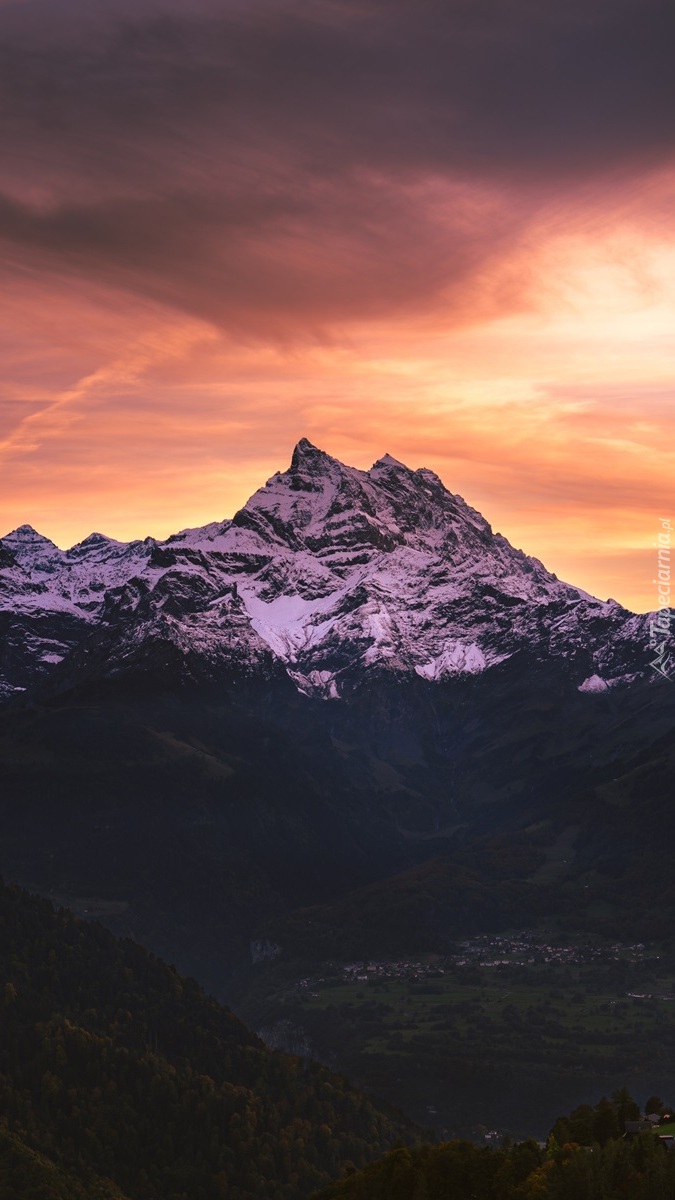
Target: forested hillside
x,y
119,1078
25,1174
595,1161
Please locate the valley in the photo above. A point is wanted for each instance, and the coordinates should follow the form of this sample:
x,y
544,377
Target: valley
x,y
497,1038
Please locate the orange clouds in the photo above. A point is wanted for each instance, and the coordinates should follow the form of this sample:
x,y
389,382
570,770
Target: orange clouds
x,y
384,227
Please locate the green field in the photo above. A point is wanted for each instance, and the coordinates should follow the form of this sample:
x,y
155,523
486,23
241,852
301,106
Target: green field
x,y
502,1047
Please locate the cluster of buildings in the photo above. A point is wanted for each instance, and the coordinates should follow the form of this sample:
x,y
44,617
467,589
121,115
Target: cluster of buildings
x,y
532,947
650,996
365,972
523,948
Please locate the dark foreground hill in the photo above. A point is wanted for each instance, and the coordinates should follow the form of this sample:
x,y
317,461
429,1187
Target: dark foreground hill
x,y
641,1170
120,1080
586,1157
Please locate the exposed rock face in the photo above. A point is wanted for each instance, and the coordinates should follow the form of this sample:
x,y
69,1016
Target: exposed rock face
x,y
262,950
325,573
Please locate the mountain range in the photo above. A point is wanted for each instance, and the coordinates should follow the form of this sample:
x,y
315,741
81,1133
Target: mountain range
x,y
327,573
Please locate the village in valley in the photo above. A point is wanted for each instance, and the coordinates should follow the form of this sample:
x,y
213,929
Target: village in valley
x,y
523,948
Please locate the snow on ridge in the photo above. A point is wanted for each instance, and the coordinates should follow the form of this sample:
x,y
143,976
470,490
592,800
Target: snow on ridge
x,y
25,535
596,683
200,535
386,463
32,551
326,564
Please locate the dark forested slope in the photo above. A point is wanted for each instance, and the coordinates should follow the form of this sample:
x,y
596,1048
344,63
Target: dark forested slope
x,y
120,1078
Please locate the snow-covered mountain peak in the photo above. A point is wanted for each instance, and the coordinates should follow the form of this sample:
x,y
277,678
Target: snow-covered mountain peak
x,y
32,550
96,540
346,517
96,548
26,536
302,506
308,457
387,463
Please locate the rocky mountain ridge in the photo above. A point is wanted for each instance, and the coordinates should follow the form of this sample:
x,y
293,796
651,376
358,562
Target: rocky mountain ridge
x,y
325,573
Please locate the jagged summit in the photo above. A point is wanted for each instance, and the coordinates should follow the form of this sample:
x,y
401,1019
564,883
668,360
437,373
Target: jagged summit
x,y
96,539
32,550
326,572
387,462
306,454
97,548
25,535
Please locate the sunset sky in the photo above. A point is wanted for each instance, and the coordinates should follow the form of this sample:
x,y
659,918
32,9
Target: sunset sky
x,y
437,228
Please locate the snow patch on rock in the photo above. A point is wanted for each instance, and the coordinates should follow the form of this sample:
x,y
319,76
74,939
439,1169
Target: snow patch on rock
x,y
594,683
